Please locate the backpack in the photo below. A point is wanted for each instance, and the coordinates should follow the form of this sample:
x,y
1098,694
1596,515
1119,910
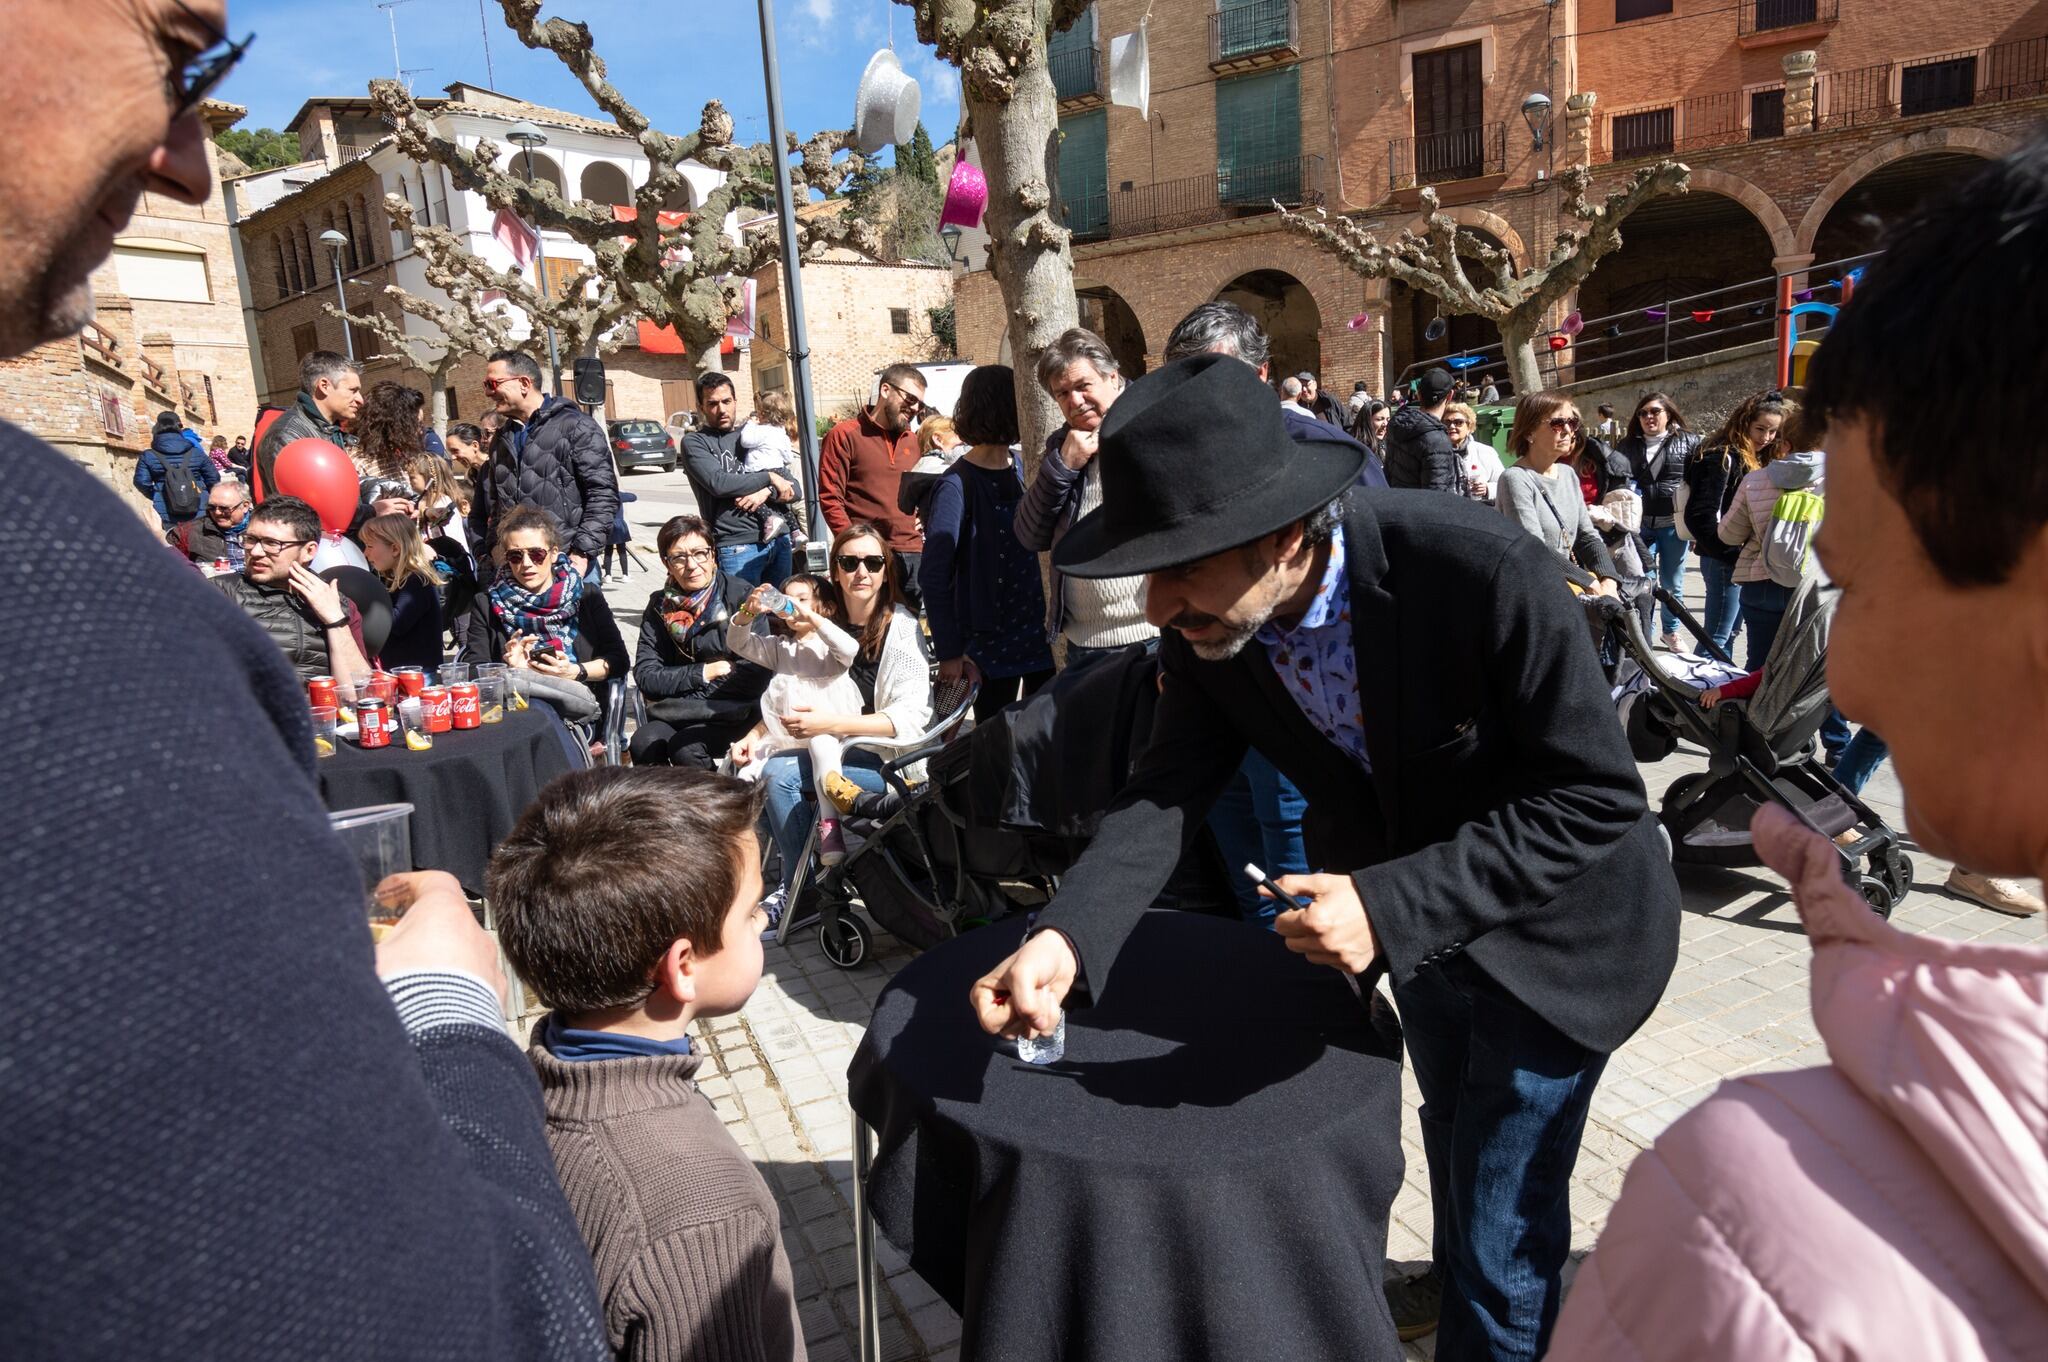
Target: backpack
x,y
181,489
1788,537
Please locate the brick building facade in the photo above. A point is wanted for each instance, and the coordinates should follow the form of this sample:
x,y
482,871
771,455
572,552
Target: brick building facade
x,y
1807,124
860,316
167,335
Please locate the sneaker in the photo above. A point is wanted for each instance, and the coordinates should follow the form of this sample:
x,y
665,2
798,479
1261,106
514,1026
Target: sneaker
x,y
842,792
2000,896
831,845
773,906
1669,642
1416,1302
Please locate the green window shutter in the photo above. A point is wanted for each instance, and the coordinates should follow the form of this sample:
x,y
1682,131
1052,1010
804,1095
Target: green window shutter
x,y
1075,36
1071,55
1258,137
1084,171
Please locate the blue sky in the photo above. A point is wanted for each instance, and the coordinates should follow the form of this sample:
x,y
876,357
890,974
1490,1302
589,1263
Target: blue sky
x,y
667,56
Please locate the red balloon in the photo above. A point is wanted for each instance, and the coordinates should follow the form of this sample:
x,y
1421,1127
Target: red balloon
x,y
320,475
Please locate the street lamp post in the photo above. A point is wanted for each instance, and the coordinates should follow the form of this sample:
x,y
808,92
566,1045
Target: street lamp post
x,y
529,137
334,242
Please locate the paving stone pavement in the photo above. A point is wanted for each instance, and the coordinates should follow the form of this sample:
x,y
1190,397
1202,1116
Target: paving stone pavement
x,y
1736,1004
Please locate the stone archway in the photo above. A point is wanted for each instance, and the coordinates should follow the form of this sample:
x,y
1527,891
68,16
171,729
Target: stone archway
x,y
1492,226
604,183
1784,241
1105,311
1293,323
1977,142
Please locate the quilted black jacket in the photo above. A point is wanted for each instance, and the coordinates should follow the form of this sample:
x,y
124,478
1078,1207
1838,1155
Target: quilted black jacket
x,y
559,461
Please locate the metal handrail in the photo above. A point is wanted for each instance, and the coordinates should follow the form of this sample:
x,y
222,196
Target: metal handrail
x,y
1075,72
1244,191
1253,27
1998,73
1441,157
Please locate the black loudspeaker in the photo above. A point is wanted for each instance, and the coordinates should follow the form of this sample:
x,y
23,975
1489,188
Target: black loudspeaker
x,y
590,382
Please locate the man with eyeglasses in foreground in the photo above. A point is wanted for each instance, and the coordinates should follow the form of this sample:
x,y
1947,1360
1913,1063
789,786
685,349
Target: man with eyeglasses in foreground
x,y
307,616
861,464
227,1137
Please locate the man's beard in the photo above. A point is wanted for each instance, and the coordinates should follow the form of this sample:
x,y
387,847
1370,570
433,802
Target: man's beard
x,y
1227,647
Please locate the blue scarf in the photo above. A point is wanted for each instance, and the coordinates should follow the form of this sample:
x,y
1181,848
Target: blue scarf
x,y
572,1046
549,614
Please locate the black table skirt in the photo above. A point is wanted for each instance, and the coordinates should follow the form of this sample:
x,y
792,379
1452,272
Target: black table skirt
x,y
1207,1174
466,792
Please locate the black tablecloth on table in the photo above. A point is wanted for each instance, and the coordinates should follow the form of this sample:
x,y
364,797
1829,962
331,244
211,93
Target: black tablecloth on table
x,y
1208,1172
466,791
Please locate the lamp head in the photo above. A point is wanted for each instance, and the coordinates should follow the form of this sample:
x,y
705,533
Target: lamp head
x,y
528,136
333,240
1536,113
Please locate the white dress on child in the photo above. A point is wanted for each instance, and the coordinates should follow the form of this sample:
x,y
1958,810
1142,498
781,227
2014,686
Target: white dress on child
x,y
815,670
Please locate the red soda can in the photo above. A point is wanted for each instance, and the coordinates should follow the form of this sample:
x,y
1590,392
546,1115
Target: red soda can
x,y
371,712
437,709
321,691
468,712
411,680
383,685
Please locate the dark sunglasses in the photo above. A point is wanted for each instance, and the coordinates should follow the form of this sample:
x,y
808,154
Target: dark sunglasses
x,y
914,405
1564,423
200,75
533,556
873,562
491,385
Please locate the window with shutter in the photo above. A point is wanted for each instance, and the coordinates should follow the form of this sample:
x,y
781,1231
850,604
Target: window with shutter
x,y
1070,54
1450,115
1642,134
1084,171
560,272
1258,137
1766,114
1625,10
1937,85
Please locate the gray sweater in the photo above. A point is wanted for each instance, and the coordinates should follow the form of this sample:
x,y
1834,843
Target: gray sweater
x,y
679,1222
1549,506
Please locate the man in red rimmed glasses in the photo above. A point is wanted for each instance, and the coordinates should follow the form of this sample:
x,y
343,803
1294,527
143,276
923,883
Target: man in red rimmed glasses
x,y
225,1104
861,463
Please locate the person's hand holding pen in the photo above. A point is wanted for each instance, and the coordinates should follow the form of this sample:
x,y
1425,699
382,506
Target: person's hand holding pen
x,y
1330,927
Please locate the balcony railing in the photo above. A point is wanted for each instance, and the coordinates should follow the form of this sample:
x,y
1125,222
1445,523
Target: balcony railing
x,y
1762,16
1956,80
100,344
1242,191
1463,154
1074,72
354,151
1722,120
1253,28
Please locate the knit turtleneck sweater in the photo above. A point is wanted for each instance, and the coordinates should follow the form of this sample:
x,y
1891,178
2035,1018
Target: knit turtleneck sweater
x,y
679,1223
1110,612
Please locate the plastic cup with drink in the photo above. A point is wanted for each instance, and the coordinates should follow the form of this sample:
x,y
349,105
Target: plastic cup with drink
x,y
412,721
323,730
380,839
490,698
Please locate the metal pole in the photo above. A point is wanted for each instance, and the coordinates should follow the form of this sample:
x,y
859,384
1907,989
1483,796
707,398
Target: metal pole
x,y
540,259
799,346
867,1294
348,339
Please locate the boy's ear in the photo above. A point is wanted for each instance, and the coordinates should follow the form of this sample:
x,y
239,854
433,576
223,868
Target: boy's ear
x,y
675,974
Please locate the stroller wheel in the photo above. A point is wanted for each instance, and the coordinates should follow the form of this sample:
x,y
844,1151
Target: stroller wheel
x,y
1684,786
1877,894
844,939
1897,873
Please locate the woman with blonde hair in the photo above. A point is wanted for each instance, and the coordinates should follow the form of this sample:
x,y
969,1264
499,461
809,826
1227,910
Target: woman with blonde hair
x,y
1544,499
402,560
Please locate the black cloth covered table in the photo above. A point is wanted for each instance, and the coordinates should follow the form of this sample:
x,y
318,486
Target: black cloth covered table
x,y
466,791
1207,1173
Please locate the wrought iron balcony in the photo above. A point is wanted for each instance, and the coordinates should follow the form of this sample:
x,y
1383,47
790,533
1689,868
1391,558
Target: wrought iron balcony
x,y
1956,80
1764,16
1238,192
1246,31
1462,154
1076,72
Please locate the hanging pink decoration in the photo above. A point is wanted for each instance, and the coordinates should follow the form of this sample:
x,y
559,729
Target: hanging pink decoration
x,y
1573,323
1360,322
1703,315
966,196
1655,314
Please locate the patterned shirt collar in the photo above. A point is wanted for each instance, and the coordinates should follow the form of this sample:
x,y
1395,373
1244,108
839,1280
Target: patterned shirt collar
x,y
1332,595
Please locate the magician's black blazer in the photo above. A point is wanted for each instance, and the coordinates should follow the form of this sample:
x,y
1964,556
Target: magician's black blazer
x,y
1503,817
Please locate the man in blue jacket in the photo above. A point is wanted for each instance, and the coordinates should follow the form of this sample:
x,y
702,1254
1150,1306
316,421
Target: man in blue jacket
x,y
175,473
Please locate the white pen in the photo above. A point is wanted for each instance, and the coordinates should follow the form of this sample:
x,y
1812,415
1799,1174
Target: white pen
x,y
1258,876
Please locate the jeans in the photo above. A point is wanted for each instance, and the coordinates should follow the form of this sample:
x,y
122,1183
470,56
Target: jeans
x,y
1724,601
755,564
1860,760
1504,1102
787,779
1258,819
1763,610
1667,552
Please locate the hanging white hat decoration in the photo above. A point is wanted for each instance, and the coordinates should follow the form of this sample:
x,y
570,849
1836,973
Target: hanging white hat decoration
x,y
1130,71
885,107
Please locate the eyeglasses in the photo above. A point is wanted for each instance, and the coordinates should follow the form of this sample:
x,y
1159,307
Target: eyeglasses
x,y
914,405
256,543
873,562
1653,411
491,385
1564,423
234,510
533,557
198,76
1450,421
690,556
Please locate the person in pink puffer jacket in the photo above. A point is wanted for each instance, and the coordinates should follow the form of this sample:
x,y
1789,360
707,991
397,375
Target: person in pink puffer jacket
x,y
1894,1204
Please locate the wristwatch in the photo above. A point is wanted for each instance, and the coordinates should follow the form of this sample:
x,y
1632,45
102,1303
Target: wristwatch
x,y
582,673
337,624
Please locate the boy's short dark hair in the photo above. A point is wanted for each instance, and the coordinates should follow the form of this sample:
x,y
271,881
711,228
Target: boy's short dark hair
x,y
1958,303
711,382
608,868
289,513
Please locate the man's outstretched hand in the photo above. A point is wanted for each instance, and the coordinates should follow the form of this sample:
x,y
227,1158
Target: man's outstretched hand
x,y
1333,929
1023,995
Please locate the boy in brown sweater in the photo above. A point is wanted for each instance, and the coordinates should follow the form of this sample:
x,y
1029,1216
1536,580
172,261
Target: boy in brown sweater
x,y
628,899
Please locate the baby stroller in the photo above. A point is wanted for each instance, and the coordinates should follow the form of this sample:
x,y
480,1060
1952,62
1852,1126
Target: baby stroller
x,y
1003,813
1759,750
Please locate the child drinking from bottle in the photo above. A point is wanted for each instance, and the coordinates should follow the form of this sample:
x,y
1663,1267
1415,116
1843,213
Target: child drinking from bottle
x,y
811,657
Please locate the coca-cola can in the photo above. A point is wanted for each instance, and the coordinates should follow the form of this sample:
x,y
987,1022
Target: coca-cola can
x,y
437,709
371,712
463,699
321,690
411,680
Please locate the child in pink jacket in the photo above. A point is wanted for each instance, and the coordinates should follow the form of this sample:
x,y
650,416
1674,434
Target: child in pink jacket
x,y
1893,1204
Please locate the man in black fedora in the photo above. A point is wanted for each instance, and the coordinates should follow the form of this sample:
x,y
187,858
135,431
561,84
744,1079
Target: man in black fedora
x,y
1412,664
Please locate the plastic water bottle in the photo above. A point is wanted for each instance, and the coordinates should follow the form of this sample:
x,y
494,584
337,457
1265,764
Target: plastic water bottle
x,y
1044,1049
776,603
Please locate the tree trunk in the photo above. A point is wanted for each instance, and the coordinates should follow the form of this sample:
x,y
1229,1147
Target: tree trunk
x,y
438,399
1028,247
1518,341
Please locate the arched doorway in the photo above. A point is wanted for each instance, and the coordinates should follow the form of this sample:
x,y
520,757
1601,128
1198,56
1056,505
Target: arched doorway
x,y
604,183
545,170
1856,224
1694,275
1412,310
1104,311
1282,305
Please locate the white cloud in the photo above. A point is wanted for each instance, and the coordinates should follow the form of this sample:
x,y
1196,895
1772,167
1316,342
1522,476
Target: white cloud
x,y
821,10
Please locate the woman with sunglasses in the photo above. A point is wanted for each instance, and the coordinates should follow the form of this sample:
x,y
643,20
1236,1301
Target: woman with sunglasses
x,y
1657,448
537,615
893,674
700,698
1544,499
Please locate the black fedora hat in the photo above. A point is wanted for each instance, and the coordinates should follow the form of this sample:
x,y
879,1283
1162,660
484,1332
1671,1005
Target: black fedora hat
x,y
1196,459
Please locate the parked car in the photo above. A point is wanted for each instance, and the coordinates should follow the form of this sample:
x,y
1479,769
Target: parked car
x,y
636,444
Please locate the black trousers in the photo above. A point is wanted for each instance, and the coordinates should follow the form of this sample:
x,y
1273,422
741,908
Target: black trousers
x,y
994,695
701,744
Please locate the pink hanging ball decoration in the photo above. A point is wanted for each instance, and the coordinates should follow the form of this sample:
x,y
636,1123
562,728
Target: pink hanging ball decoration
x,y
1359,322
966,197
